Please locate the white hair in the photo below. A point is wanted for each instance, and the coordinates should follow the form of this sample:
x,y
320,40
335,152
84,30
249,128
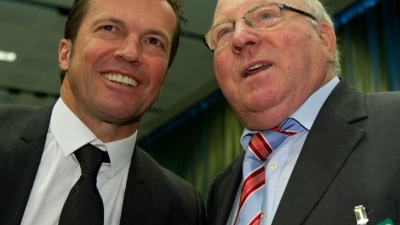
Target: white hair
x,y
319,11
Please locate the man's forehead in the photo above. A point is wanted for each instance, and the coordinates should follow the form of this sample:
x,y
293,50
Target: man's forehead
x,y
228,9
237,6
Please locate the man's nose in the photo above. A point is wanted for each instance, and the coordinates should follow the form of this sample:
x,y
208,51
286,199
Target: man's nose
x,y
243,37
130,50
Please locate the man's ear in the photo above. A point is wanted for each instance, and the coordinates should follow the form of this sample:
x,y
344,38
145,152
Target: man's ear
x,y
64,51
328,39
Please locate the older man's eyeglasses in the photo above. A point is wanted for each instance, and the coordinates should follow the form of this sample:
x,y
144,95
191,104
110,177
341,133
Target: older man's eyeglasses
x,y
260,17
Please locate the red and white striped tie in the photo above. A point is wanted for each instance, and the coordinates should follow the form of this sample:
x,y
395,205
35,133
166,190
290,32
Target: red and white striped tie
x,y
253,191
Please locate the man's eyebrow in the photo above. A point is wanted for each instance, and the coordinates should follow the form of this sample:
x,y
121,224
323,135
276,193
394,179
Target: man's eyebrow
x,y
124,24
159,33
109,19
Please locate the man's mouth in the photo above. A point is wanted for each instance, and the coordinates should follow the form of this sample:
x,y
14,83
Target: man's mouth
x,y
119,78
257,67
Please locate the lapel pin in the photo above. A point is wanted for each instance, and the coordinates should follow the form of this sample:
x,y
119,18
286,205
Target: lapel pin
x,y
361,215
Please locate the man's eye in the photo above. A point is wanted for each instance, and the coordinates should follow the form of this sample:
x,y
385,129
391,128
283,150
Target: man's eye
x,y
154,41
265,16
155,45
224,31
108,27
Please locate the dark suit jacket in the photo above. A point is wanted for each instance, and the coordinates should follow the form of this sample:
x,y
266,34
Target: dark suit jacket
x,y
153,195
351,157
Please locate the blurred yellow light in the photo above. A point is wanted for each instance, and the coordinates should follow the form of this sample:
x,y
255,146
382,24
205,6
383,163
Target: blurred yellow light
x,y
7,56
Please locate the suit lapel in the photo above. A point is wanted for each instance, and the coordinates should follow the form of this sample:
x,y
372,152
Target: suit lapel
x,y
135,199
23,164
328,145
228,190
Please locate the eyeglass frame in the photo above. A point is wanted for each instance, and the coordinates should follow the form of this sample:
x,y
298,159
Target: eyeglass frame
x,y
281,6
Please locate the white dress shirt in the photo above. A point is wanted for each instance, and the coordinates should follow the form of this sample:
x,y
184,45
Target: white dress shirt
x,y
59,170
280,163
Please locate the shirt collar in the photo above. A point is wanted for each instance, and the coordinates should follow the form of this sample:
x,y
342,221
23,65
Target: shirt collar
x,y
120,152
71,133
307,113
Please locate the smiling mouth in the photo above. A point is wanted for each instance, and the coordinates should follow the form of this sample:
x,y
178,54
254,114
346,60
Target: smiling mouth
x,y
119,78
257,67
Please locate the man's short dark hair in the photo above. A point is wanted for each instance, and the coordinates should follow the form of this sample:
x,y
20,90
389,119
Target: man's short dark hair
x,y
80,8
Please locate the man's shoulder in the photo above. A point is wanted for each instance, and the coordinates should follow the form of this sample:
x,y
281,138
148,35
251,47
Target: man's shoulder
x,y
16,118
6,109
15,115
386,96
383,101
12,115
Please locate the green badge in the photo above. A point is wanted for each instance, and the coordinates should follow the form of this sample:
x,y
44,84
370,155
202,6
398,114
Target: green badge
x,y
386,222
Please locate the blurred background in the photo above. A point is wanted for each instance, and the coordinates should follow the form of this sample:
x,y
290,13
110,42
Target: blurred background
x,y
191,129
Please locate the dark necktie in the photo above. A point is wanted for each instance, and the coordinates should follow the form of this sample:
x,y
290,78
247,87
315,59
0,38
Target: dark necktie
x,y
84,205
253,188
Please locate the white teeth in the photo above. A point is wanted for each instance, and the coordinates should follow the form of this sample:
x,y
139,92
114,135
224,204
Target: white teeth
x,y
257,66
134,83
125,80
119,78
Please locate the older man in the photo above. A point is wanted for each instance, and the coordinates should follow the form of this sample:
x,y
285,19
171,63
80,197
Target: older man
x,y
75,162
316,149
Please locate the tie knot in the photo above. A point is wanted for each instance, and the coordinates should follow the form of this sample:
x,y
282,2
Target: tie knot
x,y
289,127
261,147
90,159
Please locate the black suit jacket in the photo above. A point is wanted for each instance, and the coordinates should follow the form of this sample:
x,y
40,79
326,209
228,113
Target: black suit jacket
x,y
153,194
351,157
